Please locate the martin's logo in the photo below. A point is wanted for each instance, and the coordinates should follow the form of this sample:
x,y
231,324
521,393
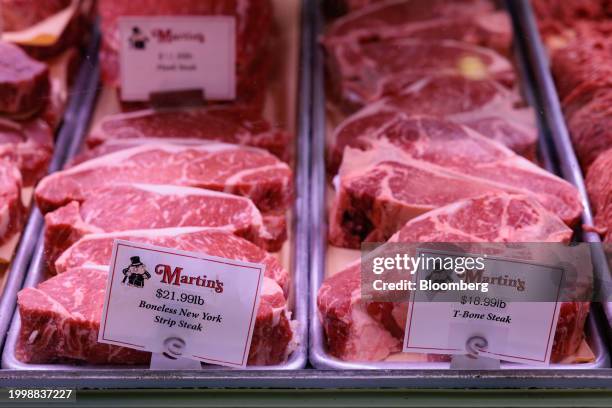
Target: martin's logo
x,y
136,273
168,35
137,39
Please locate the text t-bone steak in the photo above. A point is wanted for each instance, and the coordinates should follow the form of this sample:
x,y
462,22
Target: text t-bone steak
x,y
246,171
24,83
360,331
96,249
60,320
405,168
126,207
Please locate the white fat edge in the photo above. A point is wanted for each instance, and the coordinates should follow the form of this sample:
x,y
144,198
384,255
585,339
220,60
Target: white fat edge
x,y
146,233
236,177
499,63
271,288
138,141
16,126
121,155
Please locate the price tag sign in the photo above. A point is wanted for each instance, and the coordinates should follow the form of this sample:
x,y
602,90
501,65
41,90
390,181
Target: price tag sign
x,y
187,304
516,328
177,53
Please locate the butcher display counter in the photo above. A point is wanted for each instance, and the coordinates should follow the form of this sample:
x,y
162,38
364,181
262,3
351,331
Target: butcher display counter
x,y
44,75
523,117
255,148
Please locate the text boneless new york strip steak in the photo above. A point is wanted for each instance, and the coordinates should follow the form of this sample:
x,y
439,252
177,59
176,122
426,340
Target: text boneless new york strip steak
x,y
60,319
246,171
356,330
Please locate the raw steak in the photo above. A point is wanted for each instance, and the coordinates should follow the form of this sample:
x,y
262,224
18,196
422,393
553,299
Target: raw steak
x,y
437,163
20,14
362,72
29,145
357,331
95,249
12,211
599,187
59,325
24,83
394,14
483,105
224,124
62,73
240,170
140,206
590,125
490,30
253,25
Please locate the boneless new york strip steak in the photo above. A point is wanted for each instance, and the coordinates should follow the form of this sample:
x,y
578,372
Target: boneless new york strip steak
x,y
246,171
12,211
126,207
29,145
417,164
60,319
96,249
229,125
24,83
360,331
483,105
361,72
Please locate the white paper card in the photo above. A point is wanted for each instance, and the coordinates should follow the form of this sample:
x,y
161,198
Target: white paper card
x,y
186,304
177,53
515,330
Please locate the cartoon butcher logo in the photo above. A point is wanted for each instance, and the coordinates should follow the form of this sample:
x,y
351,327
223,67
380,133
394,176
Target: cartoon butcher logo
x,y
137,39
135,274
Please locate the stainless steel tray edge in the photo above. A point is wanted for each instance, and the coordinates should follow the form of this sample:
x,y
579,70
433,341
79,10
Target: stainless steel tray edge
x,y
318,355
298,357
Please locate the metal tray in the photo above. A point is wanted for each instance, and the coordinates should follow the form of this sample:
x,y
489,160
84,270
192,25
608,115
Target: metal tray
x,y
561,141
317,352
27,241
299,251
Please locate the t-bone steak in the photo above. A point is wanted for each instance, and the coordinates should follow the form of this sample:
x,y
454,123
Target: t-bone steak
x,y
360,331
483,105
12,211
246,171
60,320
416,164
29,145
95,249
126,207
394,14
24,83
362,72
229,125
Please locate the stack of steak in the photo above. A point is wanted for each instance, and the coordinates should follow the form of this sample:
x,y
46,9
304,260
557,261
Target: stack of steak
x,y
205,179
578,36
435,145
